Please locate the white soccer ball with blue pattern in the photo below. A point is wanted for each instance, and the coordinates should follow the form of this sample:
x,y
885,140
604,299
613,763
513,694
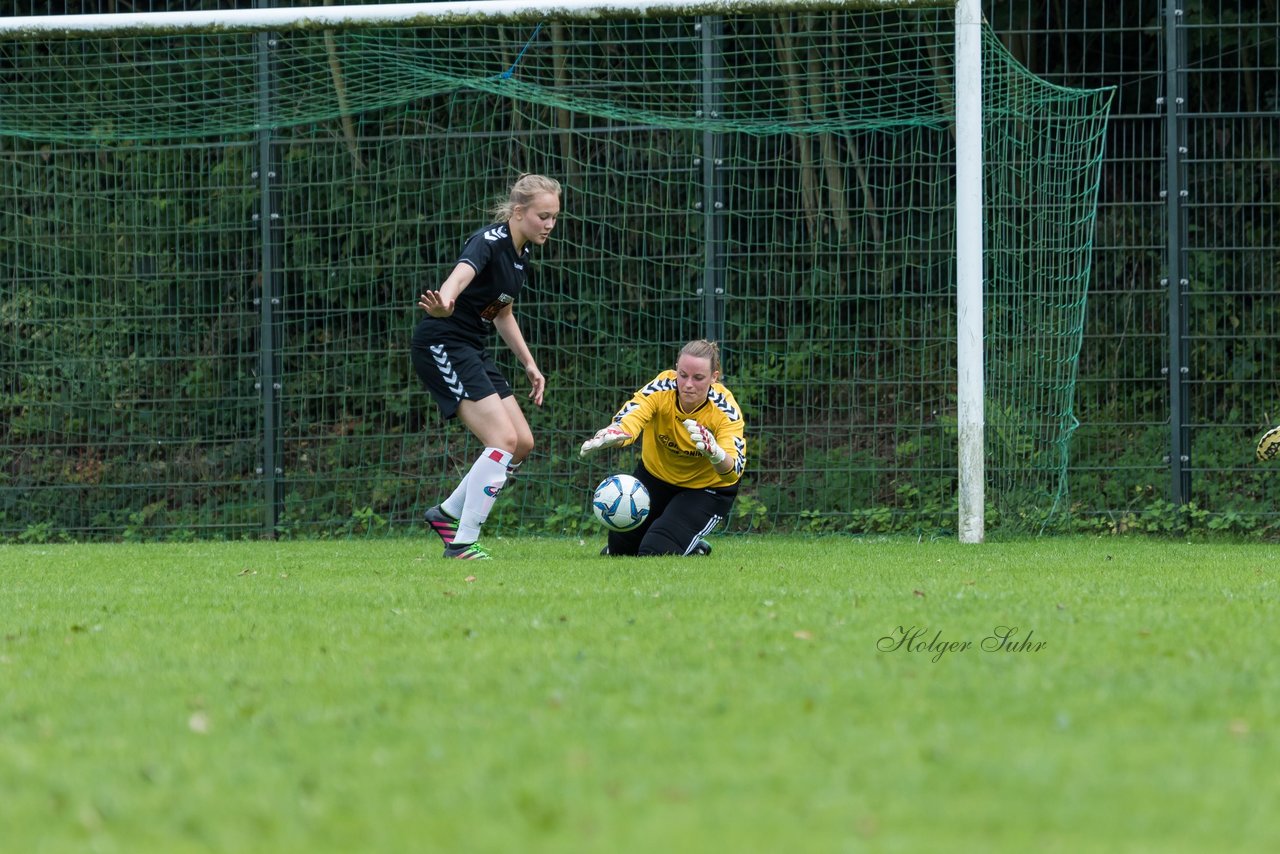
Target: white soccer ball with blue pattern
x,y
620,502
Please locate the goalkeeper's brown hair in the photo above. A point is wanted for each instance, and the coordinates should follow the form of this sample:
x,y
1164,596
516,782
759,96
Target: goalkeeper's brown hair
x,y
703,349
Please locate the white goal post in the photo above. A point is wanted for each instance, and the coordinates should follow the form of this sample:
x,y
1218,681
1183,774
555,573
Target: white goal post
x,y
969,271
969,213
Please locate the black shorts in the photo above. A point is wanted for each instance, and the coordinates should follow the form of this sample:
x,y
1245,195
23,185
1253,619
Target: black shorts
x,y
453,372
678,517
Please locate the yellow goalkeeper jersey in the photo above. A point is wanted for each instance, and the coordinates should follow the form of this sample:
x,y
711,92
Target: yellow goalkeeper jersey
x,y
653,413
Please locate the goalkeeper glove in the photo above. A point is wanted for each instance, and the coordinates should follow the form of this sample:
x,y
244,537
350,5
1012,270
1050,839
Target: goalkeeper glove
x,y
705,442
608,437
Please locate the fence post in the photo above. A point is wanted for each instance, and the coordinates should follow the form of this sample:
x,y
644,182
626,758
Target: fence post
x,y
268,221
713,203
1176,281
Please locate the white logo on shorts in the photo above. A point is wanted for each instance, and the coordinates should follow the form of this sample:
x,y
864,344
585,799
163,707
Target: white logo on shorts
x,y
447,372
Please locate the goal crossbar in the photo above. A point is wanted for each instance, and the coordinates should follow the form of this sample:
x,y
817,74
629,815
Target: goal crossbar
x,y
408,14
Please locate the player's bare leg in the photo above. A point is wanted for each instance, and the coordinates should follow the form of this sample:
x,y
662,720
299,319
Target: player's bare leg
x,y
502,429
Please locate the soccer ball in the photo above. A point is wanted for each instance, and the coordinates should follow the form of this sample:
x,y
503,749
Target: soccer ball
x,y
620,502
1269,444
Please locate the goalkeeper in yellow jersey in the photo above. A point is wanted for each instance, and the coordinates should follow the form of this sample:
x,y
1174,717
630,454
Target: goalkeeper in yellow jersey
x,y
692,454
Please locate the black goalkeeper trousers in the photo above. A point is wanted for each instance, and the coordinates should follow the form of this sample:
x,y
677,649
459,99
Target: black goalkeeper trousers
x,y
678,517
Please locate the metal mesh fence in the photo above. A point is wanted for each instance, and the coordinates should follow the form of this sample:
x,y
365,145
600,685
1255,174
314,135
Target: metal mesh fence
x,y
781,182
1175,376
1177,372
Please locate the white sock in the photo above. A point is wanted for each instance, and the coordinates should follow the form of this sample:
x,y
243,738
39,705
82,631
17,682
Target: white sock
x,y
484,481
457,499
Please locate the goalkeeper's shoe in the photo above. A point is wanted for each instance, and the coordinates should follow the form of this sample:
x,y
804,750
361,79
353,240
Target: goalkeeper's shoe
x,y
466,551
701,547
442,523
1269,444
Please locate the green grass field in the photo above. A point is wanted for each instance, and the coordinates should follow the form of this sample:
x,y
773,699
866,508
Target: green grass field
x,y
782,695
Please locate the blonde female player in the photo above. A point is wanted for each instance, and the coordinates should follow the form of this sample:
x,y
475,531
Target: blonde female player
x,y
451,356
692,454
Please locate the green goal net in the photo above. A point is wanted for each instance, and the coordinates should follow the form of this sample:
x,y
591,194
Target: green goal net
x,y
213,242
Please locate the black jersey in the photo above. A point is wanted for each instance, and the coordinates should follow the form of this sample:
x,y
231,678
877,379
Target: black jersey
x,y
500,274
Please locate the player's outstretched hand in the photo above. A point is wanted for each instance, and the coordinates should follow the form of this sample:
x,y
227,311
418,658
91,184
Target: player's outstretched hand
x,y
607,437
434,304
705,442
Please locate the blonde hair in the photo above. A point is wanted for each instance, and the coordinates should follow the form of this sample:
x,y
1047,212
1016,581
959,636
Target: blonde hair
x,y
526,188
703,349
